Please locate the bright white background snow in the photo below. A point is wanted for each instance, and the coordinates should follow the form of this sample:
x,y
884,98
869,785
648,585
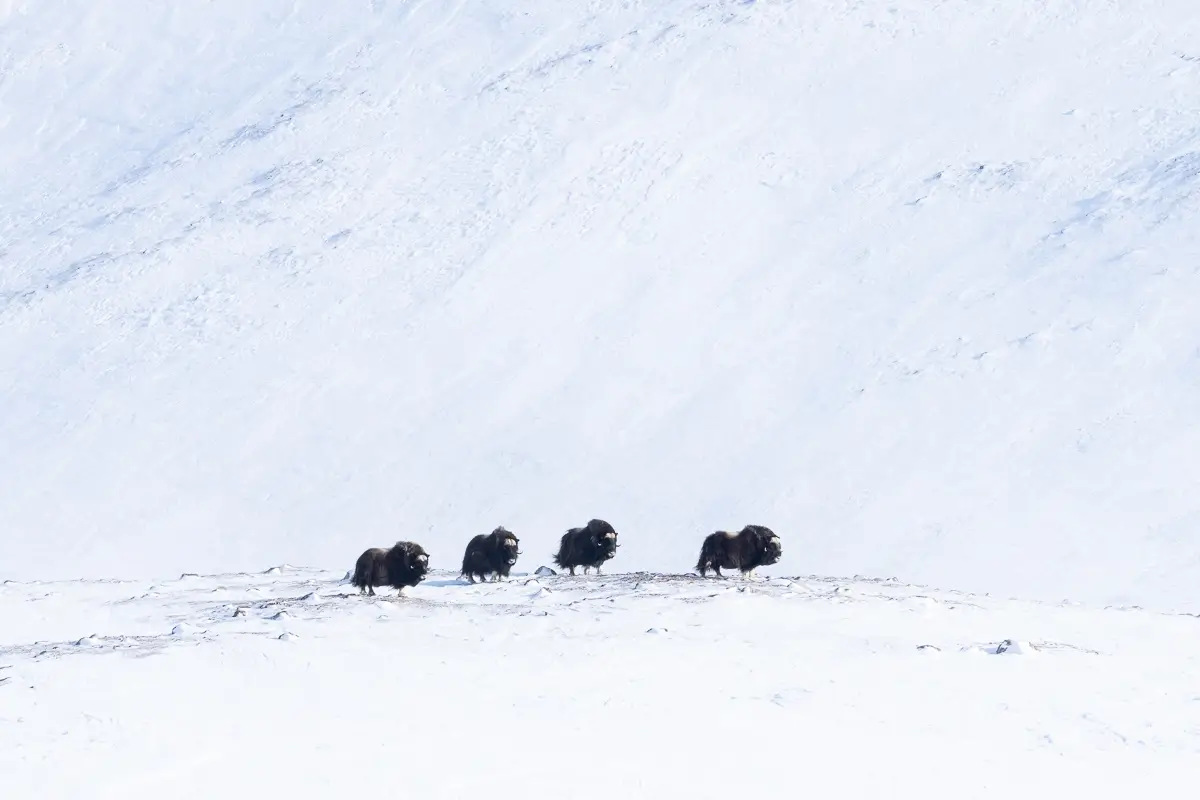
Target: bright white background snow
x,y
913,283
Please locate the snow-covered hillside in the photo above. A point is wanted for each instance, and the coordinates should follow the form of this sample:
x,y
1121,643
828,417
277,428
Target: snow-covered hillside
x,y
913,283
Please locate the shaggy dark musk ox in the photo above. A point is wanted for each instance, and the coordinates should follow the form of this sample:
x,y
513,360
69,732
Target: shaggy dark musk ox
x,y
589,546
491,554
753,546
403,564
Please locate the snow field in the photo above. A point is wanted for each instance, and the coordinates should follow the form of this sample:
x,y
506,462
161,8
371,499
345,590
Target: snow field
x,y
647,685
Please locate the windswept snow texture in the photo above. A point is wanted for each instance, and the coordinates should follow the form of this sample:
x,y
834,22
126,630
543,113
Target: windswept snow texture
x,y
916,284
629,686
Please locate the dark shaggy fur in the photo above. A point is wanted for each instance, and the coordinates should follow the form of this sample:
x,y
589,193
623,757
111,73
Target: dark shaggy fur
x,y
753,546
403,564
589,546
491,554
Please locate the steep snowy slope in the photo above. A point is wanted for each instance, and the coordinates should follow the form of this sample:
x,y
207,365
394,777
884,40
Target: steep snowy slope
x,y
913,283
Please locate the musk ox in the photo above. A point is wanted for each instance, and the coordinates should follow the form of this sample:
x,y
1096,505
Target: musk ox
x,y
589,546
490,554
403,564
753,546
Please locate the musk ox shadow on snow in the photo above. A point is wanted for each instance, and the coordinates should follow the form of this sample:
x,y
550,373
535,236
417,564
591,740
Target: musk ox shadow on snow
x,y
490,554
403,564
587,547
753,546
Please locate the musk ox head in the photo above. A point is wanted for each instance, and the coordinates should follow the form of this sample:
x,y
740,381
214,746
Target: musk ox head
x,y
408,564
772,550
419,560
767,547
508,545
604,538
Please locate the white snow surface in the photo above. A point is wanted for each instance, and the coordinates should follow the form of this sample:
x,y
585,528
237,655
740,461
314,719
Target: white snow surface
x,y
913,283
618,686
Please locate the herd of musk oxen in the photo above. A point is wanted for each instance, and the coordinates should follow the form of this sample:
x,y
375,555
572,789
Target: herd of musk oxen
x,y
494,554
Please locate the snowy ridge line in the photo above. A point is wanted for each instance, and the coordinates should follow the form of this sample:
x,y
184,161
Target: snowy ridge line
x,y
298,602
639,578
842,585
